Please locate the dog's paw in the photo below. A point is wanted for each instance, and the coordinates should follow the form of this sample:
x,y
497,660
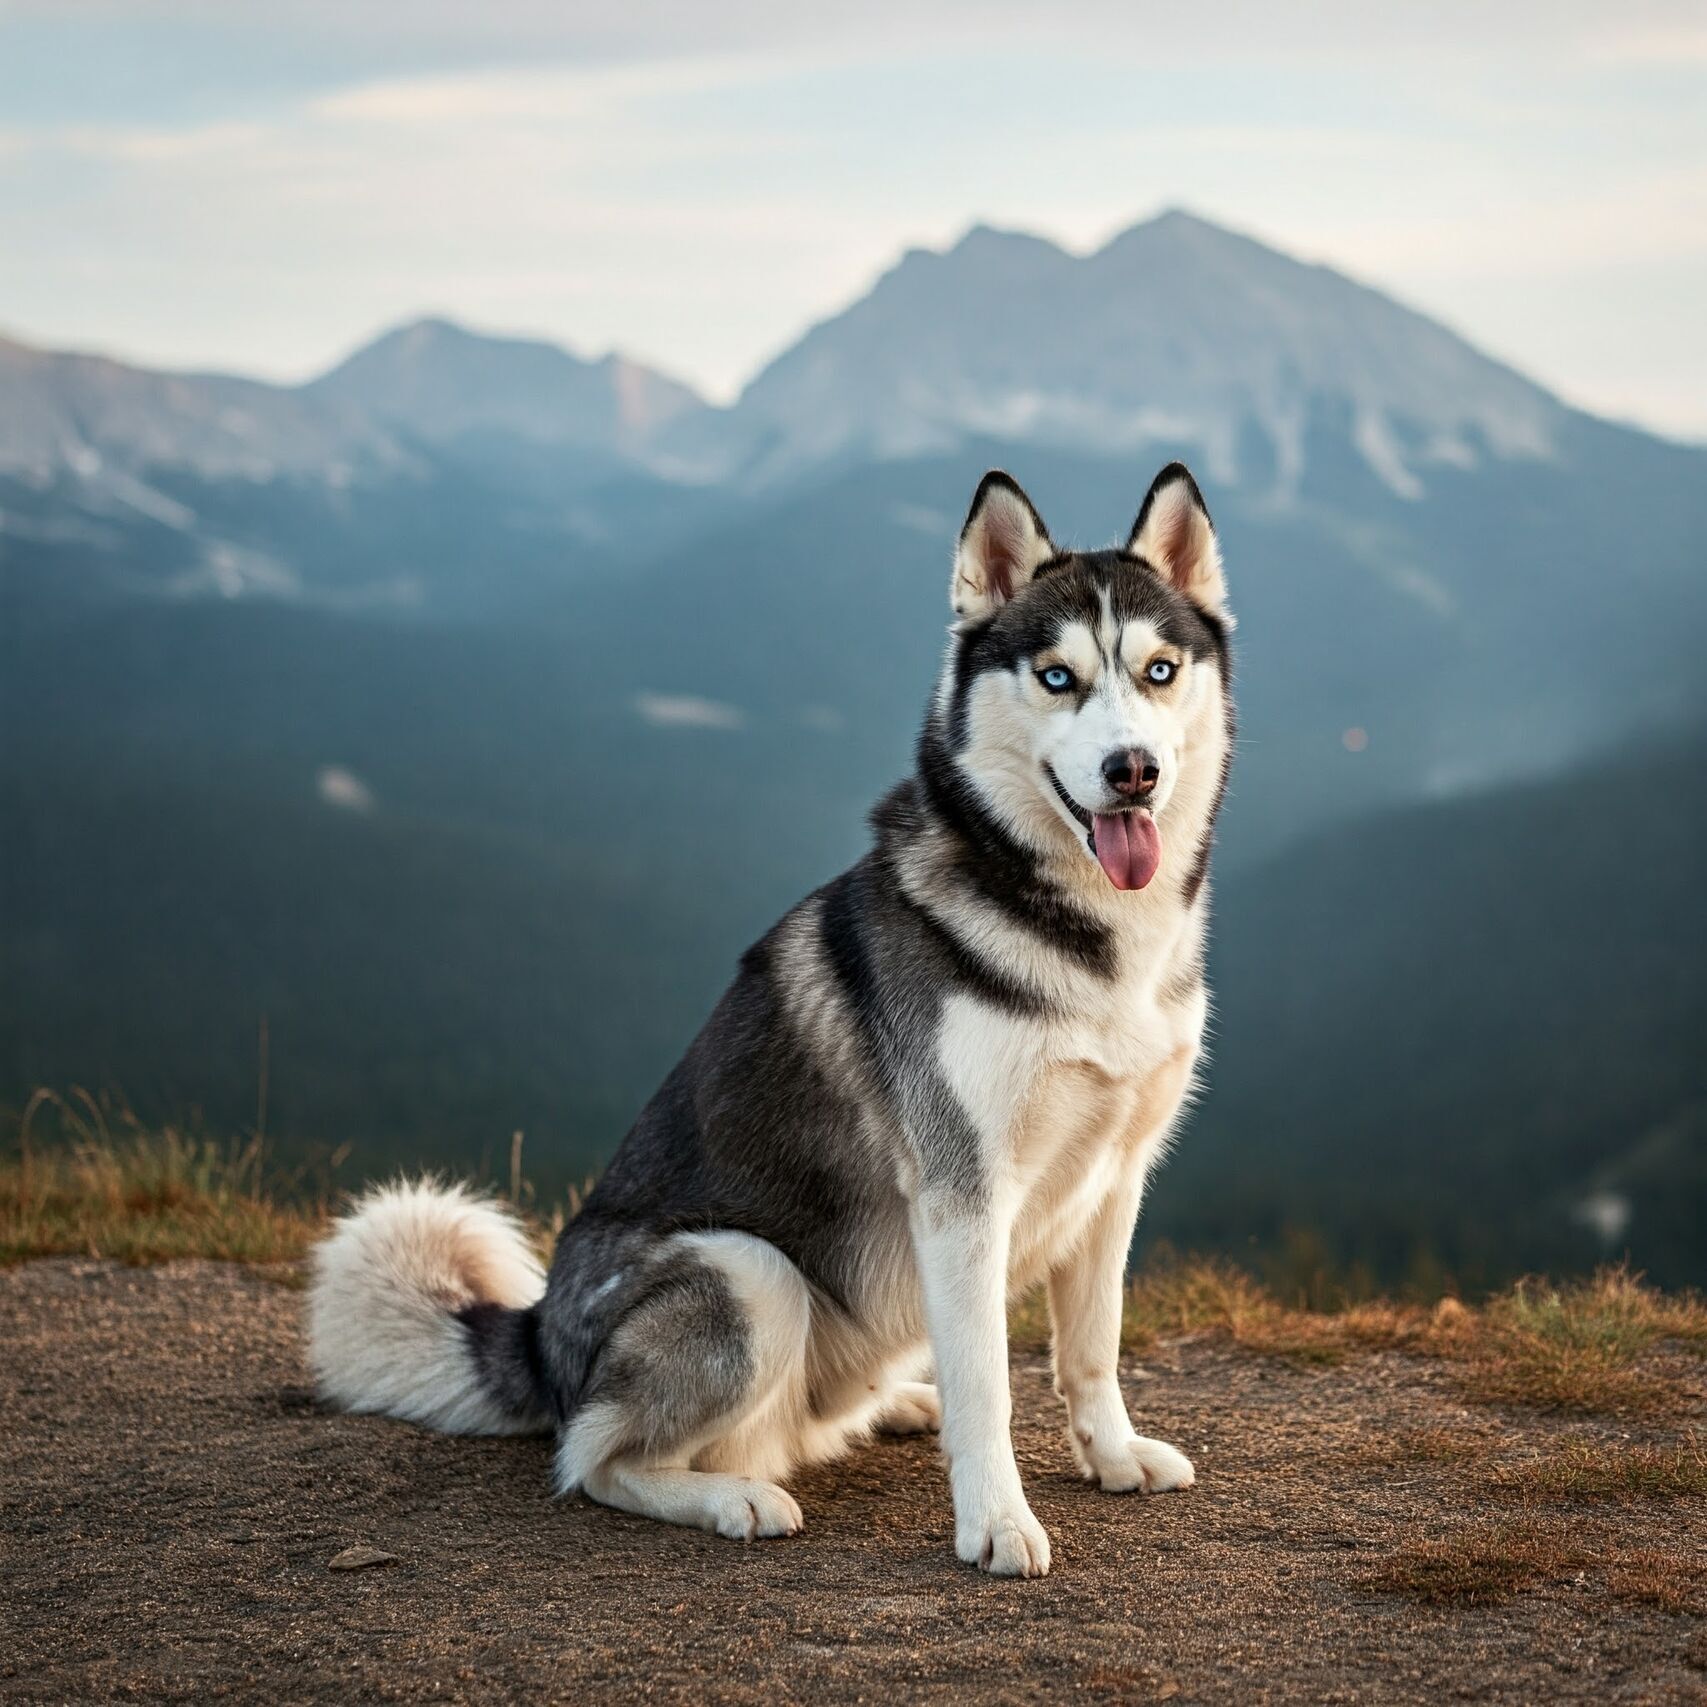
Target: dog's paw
x,y
1137,1465
749,1510
1007,1544
912,1408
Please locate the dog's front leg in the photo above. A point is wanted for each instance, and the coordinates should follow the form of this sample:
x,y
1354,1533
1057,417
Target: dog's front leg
x,y
1086,1294
962,1252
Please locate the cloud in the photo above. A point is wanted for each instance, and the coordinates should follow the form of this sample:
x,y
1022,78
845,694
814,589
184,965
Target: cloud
x,y
424,34
343,789
553,94
1668,45
1661,218
688,711
920,518
694,186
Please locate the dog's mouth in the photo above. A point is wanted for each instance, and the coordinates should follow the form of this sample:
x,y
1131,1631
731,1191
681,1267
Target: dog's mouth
x,y
1127,845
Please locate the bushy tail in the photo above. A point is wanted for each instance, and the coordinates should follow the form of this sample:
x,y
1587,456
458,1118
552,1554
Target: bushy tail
x,y
421,1307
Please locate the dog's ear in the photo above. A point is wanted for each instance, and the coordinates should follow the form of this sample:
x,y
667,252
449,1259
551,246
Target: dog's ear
x,y
1001,545
1174,536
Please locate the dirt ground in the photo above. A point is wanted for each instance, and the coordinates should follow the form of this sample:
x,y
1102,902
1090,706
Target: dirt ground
x,y
171,1498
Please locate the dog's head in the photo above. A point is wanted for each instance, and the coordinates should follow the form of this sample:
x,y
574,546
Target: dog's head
x,y
1086,697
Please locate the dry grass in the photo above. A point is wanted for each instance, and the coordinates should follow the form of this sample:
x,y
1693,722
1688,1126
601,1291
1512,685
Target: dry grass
x,y
1579,1347
85,1177
1179,1298
1028,1322
1479,1564
145,1202
1655,1576
1486,1564
1551,1542
1584,1347
1175,1299
1579,1468
104,1187
1557,1472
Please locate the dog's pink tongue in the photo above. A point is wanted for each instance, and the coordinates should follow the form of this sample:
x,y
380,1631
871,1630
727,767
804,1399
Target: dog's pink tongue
x,y
1128,847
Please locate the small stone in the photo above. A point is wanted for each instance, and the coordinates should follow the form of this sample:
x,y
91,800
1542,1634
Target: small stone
x,y
359,1558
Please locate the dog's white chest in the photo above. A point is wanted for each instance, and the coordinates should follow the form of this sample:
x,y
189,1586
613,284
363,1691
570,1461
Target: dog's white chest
x,y
1063,1108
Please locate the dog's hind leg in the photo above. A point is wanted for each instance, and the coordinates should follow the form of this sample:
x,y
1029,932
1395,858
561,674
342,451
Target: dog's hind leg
x,y
912,1407
743,1508
692,1410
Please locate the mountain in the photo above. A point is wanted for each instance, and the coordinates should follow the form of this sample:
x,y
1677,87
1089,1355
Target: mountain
x,y
1303,391
1175,333
383,484
427,383
93,419
437,382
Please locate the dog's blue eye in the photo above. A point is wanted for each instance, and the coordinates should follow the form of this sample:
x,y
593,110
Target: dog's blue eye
x,y
1056,678
1161,671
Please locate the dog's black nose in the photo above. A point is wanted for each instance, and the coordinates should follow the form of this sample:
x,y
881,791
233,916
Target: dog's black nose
x,y
1133,773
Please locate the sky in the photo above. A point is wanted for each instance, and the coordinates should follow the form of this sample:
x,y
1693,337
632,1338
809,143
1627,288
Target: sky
x,y
211,184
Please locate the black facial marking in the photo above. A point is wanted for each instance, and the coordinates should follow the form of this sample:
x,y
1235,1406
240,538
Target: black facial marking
x,y
1072,591
1003,872
966,653
1083,817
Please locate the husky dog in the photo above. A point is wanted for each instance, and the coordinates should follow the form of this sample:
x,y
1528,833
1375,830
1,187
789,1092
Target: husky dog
x,y
940,1080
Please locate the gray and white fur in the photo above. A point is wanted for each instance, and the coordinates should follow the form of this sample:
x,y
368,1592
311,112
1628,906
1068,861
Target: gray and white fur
x,y
939,1080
